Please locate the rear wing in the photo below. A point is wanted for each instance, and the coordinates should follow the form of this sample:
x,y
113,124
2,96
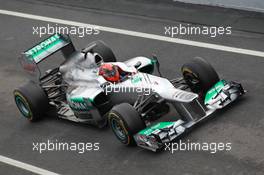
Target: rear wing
x,y
31,58
50,46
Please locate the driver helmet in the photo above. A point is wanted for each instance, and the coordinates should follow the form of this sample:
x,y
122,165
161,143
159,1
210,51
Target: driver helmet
x,y
109,72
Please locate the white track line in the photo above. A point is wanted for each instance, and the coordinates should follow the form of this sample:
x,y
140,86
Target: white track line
x,y
25,166
137,34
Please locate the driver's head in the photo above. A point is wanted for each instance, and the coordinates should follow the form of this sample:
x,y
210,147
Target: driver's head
x,y
109,72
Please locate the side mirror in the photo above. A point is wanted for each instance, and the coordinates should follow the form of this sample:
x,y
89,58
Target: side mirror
x,y
155,58
138,64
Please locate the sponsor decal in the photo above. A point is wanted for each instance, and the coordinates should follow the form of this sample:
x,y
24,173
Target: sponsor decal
x,y
51,41
214,91
151,129
136,79
79,104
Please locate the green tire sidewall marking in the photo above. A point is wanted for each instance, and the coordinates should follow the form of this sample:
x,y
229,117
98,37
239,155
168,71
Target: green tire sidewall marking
x,y
21,103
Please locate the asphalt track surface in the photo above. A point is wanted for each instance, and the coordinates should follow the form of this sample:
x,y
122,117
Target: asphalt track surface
x,y
253,5
242,124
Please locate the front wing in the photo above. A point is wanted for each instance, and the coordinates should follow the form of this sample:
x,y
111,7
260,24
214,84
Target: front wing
x,y
154,137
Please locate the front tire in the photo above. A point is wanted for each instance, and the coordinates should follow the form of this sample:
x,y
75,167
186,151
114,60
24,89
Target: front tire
x,y
125,122
199,75
31,101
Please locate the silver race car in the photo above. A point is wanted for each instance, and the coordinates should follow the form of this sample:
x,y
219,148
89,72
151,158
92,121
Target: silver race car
x,y
90,86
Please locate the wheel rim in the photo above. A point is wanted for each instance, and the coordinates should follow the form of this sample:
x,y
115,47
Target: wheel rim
x,y
192,81
22,106
118,130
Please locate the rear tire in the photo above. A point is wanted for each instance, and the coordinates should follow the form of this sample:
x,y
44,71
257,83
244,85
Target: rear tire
x,y
103,50
199,75
125,122
31,101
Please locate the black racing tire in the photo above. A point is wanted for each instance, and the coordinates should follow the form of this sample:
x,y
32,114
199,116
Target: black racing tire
x,y
31,101
103,50
199,75
125,122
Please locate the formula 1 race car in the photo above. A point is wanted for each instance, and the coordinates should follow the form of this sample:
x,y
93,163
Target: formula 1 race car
x,y
90,86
